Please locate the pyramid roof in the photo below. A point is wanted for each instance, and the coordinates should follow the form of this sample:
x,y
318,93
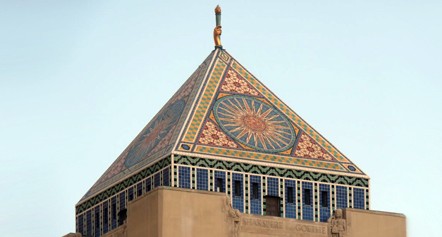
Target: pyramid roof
x,y
223,112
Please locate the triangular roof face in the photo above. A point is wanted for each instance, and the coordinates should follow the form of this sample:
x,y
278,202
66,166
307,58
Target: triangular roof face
x,y
223,112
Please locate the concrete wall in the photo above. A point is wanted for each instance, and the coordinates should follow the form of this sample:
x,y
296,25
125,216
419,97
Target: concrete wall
x,y
362,223
174,212
171,212
264,226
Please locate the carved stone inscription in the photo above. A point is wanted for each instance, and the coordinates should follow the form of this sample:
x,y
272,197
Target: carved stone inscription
x,y
262,223
308,229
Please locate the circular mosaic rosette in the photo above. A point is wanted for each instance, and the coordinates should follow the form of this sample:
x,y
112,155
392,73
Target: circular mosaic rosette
x,y
154,133
254,123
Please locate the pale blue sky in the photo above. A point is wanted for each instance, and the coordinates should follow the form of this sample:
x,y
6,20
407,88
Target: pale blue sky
x,y
79,79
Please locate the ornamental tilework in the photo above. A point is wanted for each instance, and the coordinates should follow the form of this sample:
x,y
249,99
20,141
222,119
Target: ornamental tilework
x,y
235,83
254,124
285,109
267,170
269,158
205,101
262,127
158,137
223,112
308,148
212,135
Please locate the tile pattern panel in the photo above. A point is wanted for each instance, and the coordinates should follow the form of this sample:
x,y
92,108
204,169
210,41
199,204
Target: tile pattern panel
x,y
223,111
158,137
267,170
235,106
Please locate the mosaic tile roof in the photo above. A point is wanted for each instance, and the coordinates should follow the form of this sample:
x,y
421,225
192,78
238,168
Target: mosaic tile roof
x,y
223,112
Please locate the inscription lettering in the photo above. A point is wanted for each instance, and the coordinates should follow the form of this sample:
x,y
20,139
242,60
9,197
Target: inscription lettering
x,y
263,223
309,229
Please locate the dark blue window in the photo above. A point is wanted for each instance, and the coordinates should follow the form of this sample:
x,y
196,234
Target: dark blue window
x,y
220,181
238,194
157,180
324,199
122,200
255,199
290,198
114,212
184,175
80,224
341,197
359,198
201,179
89,223
272,187
148,184
97,221
105,217
130,194
139,189
166,177
307,201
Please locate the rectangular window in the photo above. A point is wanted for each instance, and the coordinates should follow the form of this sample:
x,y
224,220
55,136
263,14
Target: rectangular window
x,y
237,188
80,224
89,223
273,187
166,178
273,206
131,193
139,189
184,177
219,185
341,197
202,183
220,181
105,218
122,200
307,196
114,211
157,180
255,198
148,184
290,198
359,200
255,191
97,221
324,198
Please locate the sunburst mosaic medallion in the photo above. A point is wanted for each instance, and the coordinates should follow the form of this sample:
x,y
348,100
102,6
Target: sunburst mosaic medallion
x,y
254,123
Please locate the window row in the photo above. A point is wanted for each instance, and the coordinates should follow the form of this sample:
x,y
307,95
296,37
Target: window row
x,y
251,193
111,213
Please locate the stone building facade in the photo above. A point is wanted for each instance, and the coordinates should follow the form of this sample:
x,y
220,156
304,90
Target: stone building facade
x,y
224,131
226,157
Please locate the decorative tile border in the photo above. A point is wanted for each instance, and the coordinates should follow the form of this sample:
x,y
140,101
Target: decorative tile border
x,y
266,170
269,157
122,185
205,102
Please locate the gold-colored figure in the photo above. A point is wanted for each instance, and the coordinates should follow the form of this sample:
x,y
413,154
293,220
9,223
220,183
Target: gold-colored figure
x,y
217,31
217,35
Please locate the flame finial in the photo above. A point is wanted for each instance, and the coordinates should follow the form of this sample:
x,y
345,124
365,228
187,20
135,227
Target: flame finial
x,y
217,31
217,9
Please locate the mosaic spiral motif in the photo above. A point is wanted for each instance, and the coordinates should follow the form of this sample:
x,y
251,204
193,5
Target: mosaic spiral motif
x,y
155,133
254,123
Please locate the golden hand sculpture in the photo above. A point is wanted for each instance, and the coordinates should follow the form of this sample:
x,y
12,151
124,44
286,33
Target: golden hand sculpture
x,y
217,30
217,35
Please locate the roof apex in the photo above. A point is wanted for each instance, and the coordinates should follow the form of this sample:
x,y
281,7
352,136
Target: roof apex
x,y
223,112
